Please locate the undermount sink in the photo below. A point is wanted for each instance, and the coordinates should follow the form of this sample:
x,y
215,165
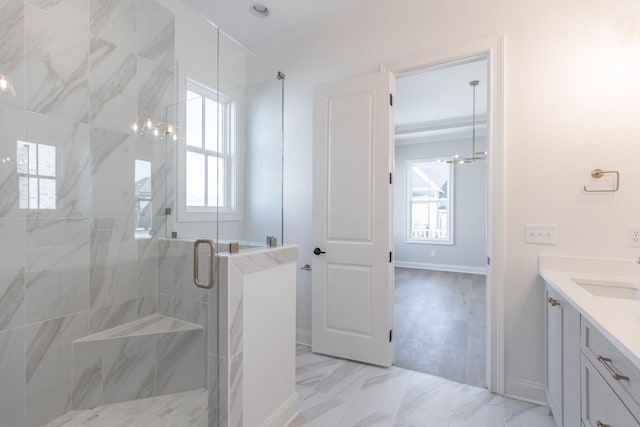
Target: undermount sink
x,y
610,289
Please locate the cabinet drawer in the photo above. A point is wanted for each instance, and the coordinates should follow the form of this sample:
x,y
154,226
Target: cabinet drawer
x,y
600,405
610,362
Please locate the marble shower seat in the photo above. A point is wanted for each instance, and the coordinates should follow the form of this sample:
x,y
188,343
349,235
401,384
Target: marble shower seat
x,y
150,325
148,357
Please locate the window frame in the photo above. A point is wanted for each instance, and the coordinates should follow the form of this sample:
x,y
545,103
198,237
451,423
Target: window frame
x,y
228,133
409,204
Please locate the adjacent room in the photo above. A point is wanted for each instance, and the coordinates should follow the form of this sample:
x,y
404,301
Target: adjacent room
x,y
440,214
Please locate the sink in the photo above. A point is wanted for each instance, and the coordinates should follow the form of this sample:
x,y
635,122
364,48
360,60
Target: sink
x,y
610,289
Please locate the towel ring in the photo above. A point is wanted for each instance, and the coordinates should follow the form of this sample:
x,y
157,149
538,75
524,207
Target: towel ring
x,y
599,173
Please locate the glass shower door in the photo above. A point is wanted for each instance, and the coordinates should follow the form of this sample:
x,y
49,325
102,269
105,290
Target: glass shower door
x,y
187,273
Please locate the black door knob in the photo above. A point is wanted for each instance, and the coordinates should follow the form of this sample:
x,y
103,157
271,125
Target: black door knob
x,y
317,251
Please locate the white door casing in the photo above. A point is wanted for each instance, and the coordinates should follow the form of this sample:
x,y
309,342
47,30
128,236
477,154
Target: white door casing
x,y
352,281
493,49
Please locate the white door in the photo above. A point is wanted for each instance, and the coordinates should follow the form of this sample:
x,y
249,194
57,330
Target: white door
x,y
352,279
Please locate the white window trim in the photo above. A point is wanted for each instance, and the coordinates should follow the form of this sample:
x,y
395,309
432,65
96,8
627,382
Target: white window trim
x,y
407,205
232,212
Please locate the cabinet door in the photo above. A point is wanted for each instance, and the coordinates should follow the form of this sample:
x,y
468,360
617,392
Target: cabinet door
x,y
554,355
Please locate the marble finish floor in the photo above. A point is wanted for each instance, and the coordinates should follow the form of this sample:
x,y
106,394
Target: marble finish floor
x,y
340,393
440,324
337,392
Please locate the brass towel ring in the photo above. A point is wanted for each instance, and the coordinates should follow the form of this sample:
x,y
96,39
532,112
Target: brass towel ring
x,y
599,173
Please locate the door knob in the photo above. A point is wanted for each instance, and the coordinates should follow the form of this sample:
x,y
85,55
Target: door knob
x,y
318,251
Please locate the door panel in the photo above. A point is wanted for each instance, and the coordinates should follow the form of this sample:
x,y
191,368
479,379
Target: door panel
x,y
348,299
353,278
350,146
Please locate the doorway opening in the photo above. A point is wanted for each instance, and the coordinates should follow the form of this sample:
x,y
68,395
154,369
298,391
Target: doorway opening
x,y
441,220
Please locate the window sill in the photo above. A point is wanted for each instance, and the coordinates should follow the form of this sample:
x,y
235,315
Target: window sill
x,y
429,242
204,217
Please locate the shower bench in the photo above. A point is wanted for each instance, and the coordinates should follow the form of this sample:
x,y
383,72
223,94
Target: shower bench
x,y
151,356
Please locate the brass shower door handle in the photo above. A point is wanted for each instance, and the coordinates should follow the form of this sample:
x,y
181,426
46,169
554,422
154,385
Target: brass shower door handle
x,y
212,265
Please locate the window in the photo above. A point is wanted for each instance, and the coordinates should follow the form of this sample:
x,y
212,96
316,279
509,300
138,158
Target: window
x,y
142,199
210,145
36,175
430,215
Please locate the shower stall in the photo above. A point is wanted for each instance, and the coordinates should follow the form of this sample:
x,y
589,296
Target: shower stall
x,y
138,154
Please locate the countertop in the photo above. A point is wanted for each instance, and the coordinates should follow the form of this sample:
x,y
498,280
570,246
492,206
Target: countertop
x,y
617,319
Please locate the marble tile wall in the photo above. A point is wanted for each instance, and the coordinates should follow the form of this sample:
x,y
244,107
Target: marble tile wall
x,y
70,262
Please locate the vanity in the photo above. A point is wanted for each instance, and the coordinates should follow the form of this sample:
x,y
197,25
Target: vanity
x,y
593,341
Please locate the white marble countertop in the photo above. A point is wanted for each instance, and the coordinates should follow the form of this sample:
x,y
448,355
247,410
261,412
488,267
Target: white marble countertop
x,y
617,319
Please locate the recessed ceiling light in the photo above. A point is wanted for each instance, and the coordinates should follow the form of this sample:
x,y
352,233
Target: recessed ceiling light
x,y
259,9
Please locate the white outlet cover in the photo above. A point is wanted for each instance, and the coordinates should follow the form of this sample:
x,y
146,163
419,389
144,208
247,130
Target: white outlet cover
x,y
633,236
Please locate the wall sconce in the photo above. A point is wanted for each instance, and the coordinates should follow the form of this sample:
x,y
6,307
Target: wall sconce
x,y
155,128
6,86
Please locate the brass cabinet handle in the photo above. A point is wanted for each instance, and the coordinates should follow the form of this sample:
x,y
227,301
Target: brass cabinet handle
x,y
553,302
601,424
606,362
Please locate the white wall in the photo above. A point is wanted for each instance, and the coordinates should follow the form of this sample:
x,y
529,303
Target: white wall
x,y
572,103
469,250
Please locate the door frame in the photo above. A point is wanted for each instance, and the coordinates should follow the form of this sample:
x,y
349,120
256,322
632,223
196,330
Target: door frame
x,y
491,48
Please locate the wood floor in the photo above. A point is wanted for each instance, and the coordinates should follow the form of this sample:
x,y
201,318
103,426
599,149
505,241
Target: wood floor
x,y
440,324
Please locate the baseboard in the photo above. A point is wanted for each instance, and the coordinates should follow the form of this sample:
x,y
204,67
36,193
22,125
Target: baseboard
x,y
303,337
441,267
526,391
284,414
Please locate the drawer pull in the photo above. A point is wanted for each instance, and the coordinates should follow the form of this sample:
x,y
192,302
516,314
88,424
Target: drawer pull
x,y
601,424
553,302
606,362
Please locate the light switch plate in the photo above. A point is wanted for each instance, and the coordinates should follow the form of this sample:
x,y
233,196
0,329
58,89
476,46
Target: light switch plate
x,y
541,234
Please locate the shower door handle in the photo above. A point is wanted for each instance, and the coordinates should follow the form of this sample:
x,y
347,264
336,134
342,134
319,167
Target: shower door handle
x,y
212,265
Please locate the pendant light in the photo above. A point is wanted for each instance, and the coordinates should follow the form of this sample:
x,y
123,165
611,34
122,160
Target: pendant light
x,y
475,155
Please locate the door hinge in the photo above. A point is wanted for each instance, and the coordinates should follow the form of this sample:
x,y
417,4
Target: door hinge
x,y
390,178
488,261
390,256
391,99
390,335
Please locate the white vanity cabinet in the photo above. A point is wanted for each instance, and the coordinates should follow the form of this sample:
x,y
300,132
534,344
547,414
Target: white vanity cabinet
x,y
563,355
590,382
593,340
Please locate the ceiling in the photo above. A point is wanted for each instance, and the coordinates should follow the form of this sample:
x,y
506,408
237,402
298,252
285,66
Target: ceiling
x,y
433,104
235,17
437,104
